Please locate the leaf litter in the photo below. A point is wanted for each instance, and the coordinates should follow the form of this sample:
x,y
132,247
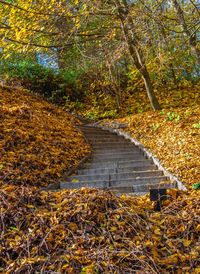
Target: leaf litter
x,y
94,231
38,141
172,135
85,230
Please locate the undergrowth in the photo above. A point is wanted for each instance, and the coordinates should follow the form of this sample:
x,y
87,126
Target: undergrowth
x,y
97,105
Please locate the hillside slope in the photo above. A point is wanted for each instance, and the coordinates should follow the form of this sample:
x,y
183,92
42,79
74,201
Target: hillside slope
x,y
172,135
84,231
38,141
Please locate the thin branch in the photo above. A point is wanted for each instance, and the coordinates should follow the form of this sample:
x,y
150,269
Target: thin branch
x,y
195,6
32,44
65,45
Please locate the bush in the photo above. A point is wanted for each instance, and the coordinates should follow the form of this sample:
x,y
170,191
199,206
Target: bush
x,y
45,81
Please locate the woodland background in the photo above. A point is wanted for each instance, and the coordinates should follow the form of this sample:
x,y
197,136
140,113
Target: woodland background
x,y
102,58
135,62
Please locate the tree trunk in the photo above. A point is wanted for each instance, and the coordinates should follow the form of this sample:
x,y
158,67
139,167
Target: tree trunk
x,y
191,37
149,88
136,52
61,62
118,101
167,47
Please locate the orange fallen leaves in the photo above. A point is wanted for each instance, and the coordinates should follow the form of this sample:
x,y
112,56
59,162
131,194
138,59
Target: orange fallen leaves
x,y
91,230
175,142
38,141
85,231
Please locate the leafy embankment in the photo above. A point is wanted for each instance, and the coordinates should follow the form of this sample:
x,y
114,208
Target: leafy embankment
x,y
93,231
82,231
173,135
100,105
38,141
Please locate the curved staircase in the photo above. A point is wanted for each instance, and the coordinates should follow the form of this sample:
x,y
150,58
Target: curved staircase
x,y
116,164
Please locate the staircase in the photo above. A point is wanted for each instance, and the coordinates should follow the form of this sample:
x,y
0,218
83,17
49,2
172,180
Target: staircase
x,y
116,164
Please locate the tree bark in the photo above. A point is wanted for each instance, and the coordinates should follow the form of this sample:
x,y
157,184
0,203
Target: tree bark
x,y
191,37
149,88
135,51
167,47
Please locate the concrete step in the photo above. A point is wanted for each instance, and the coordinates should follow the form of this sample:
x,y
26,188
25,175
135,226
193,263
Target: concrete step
x,y
136,184
109,142
74,185
117,176
115,156
104,135
119,158
141,188
105,139
149,167
113,145
87,126
106,142
101,134
134,163
124,154
118,164
94,130
139,181
116,150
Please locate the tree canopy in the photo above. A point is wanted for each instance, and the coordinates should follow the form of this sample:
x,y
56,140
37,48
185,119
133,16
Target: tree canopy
x,y
160,39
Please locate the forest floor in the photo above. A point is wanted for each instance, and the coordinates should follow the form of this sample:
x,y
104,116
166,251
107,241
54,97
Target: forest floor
x,y
38,141
172,135
87,230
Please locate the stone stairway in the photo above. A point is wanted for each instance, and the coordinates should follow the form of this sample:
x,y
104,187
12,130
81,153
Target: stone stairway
x,y
116,164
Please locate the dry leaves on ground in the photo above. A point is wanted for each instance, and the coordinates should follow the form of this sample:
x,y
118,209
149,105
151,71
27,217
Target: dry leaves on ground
x,y
173,135
93,231
38,141
87,230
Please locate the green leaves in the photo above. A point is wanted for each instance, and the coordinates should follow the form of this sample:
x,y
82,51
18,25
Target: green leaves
x,y
173,116
197,125
196,186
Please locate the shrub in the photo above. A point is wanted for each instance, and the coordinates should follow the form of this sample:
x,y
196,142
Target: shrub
x,y
45,81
